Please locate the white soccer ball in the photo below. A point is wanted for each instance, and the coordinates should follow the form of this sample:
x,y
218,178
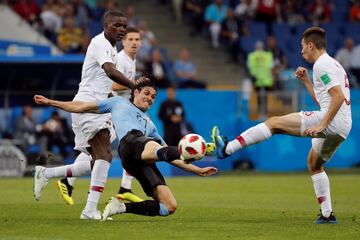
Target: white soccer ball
x,y
192,147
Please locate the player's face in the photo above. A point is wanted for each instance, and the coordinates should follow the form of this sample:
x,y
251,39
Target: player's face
x,y
306,50
115,29
132,42
144,99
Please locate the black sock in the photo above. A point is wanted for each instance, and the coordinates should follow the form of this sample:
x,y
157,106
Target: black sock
x,y
147,208
68,186
124,190
168,154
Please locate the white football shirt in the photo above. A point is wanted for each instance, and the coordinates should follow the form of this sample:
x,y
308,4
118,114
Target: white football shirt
x,y
95,84
127,66
327,74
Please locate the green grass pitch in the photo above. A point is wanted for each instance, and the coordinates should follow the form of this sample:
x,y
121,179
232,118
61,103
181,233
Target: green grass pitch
x,y
237,206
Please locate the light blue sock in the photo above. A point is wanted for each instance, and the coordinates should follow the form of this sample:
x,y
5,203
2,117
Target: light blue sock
x,y
163,210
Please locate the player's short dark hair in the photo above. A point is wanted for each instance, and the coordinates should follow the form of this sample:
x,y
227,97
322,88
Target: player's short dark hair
x,y
316,35
131,30
112,13
145,81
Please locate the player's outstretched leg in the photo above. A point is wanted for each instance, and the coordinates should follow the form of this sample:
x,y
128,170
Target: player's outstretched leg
x,y
40,181
80,167
253,135
220,143
65,190
145,208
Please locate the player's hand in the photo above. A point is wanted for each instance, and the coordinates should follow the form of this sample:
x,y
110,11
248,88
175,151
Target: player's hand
x,y
39,99
141,79
206,171
314,131
301,73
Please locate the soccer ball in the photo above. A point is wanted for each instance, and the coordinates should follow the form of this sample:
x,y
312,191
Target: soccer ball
x,y
192,147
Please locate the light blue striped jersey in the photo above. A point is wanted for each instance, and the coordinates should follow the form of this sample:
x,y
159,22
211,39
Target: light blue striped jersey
x,y
126,117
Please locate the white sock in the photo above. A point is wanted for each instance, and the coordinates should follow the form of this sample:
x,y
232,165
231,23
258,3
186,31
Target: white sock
x,y
81,157
99,176
251,136
126,180
322,190
71,180
73,170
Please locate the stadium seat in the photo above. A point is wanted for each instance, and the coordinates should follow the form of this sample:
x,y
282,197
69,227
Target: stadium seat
x,y
283,35
300,28
352,29
295,60
95,28
248,43
332,28
281,29
258,30
295,44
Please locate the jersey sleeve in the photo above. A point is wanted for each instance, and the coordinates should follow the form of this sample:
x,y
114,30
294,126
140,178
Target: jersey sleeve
x,y
105,106
326,75
102,53
155,134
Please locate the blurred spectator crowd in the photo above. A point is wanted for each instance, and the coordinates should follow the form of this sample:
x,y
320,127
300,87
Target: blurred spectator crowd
x,y
238,25
235,25
71,25
40,133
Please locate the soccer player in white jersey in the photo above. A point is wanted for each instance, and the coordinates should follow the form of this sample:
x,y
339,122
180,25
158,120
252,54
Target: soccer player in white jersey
x,y
92,132
328,126
125,63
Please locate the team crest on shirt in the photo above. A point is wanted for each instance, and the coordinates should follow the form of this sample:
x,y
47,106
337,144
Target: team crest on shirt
x,y
325,78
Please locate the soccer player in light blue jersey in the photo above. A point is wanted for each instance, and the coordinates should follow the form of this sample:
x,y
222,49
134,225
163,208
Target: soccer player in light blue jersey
x,y
140,147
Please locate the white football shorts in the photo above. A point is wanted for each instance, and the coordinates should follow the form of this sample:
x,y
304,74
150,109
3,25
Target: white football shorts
x,y
330,139
86,125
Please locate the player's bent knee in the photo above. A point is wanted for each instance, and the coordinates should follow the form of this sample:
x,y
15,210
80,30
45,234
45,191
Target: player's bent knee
x,y
271,122
105,156
274,124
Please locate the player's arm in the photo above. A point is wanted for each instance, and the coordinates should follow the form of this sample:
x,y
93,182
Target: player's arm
x,y
302,75
70,106
116,75
117,87
205,171
337,99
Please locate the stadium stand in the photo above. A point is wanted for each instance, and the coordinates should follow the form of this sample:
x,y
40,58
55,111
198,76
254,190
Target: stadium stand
x,y
45,70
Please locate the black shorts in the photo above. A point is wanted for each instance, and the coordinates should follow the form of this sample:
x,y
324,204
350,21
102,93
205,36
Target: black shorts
x,y
130,148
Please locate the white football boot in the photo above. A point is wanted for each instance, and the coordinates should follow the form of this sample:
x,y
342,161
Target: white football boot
x,y
95,215
113,207
40,181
